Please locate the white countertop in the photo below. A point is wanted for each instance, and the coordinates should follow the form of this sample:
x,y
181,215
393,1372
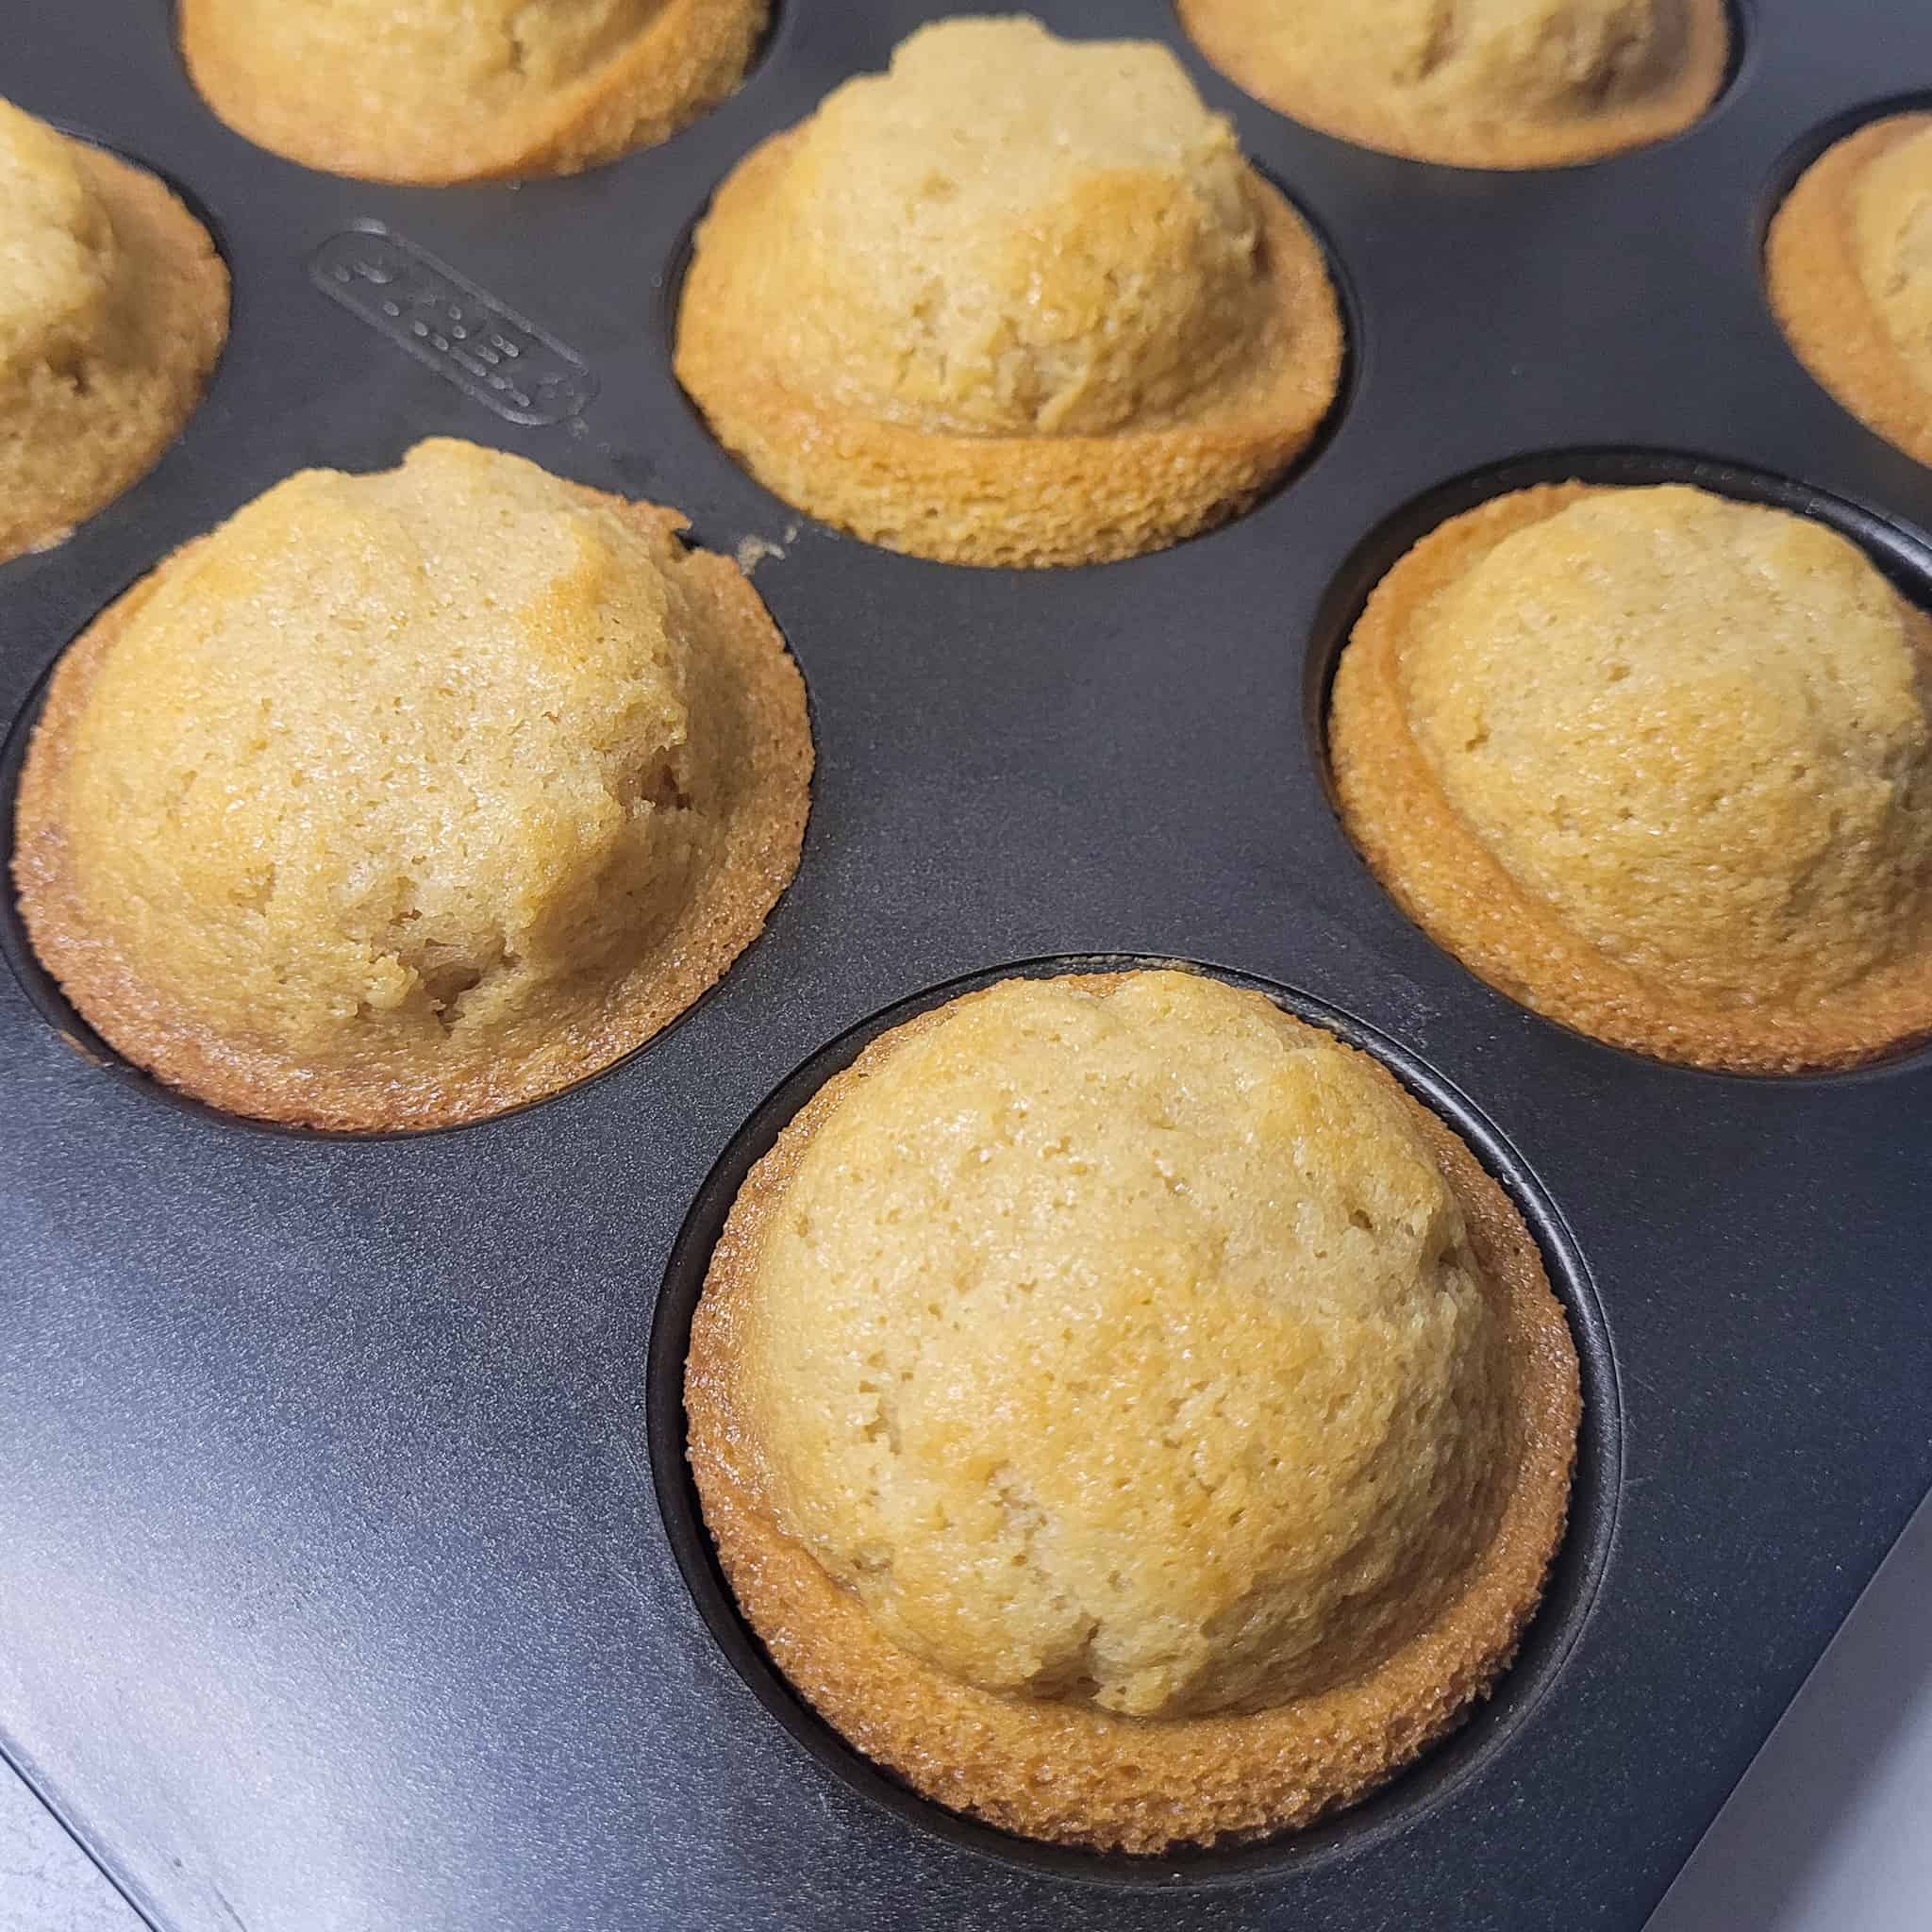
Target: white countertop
x,y
1830,1830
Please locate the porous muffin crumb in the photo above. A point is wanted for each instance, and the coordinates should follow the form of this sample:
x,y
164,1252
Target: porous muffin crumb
x,y
1179,1398
1474,83
1849,265
438,91
969,305
113,307
1657,763
403,798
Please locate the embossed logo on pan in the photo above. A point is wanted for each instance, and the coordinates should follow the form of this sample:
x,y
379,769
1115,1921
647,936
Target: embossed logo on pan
x,y
462,332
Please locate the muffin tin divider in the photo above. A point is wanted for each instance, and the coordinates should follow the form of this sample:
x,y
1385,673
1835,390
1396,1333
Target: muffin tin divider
x,y
336,1589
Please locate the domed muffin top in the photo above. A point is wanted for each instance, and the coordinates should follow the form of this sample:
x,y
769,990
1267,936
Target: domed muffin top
x,y
395,792
438,91
1891,246
1012,233
1696,728
470,52
1479,83
113,308
1119,1341
58,255
1532,58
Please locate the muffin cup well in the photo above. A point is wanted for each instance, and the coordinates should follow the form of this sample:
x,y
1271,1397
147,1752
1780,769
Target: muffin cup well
x,y
1480,1740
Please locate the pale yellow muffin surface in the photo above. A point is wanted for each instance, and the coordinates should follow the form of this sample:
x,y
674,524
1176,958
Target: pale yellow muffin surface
x,y
1113,1374
441,90
401,798
1474,83
113,307
1059,234
1160,1375
1688,738
1016,300
56,243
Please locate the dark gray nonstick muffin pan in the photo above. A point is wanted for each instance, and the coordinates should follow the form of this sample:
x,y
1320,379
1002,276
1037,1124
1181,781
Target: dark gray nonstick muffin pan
x,y
349,1573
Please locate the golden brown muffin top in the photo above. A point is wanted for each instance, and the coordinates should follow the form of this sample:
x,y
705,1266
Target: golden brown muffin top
x,y
1696,728
1007,232
397,791
460,90
1848,268
1121,1343
1653,763
1482,83
113,308
1891,241
57,253
445,59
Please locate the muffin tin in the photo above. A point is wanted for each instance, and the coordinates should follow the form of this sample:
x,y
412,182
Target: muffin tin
x,y
352,1576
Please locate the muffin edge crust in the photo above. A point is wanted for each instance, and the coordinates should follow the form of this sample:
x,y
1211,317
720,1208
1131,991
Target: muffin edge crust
x,y
1018,501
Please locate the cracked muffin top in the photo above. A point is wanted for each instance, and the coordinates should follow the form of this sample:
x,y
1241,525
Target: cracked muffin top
x,y
1474,83
1120,1348
401,798
462,90
113,307
1009,250
1678,759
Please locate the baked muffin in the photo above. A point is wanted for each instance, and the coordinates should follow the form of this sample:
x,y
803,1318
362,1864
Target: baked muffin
x,y
439,90
113,308
1017,301
1126,1415
1657,764
402,799
1474,83
1849,264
